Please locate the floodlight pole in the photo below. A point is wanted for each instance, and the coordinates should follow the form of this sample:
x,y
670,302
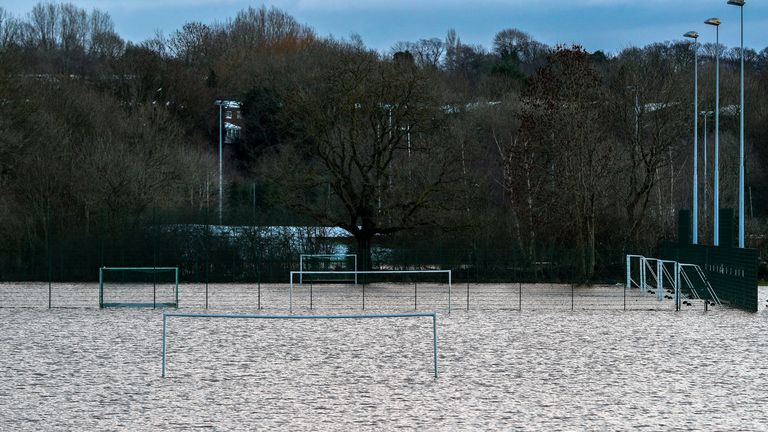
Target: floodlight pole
x,y
693,35
741,140
716,201
740,4
705,114
695,143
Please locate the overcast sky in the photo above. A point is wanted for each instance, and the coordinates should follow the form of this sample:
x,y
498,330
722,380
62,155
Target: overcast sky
x,y
608,25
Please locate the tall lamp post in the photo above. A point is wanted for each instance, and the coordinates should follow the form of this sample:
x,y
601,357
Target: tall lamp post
x,y
693,35
716,199
740,4
705,114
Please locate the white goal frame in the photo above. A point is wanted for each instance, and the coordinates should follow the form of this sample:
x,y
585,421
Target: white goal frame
x,y
364,272
662,273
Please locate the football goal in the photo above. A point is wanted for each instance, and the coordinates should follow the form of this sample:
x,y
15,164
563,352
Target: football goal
x,y
653,274
666,275
394,278
329,263
142,287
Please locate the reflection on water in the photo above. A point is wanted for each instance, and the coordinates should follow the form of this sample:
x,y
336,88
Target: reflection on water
x,y
88,369
383,296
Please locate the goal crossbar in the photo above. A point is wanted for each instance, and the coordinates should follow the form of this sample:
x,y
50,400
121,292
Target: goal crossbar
x,y
364,272
433,315
154,304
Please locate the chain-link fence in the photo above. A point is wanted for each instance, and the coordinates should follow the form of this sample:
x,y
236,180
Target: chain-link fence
x,y
512,296
245,262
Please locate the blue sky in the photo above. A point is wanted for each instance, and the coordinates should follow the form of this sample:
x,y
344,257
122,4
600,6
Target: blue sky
x,y
610,25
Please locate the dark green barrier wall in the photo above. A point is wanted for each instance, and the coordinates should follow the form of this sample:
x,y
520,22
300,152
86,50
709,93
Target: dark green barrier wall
x,y
731,271
247,248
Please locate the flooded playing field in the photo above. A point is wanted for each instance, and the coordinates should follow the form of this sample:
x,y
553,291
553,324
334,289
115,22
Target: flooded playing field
x,y
535,369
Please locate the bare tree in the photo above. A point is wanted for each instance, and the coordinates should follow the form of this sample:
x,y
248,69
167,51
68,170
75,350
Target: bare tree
x,y
649,119
192,44
44,23
73,28
104,42
562,111
9,29
369,130
427,53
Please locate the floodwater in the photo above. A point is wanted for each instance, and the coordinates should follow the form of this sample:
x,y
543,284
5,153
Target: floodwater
x,y
535,369
377,296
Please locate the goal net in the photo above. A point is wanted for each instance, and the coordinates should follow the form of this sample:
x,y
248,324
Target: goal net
x,y
153,287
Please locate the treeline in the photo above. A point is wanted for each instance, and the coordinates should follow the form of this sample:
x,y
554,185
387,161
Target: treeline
x,y
555,153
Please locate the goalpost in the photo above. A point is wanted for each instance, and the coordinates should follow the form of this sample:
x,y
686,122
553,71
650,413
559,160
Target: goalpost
x,y
139,287
640,267
327,263
635,272
366,272
668,273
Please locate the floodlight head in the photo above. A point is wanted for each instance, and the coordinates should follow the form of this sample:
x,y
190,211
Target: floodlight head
x,y
713,22
736,2
691,35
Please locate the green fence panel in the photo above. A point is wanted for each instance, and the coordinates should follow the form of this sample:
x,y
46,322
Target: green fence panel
x,y
732,272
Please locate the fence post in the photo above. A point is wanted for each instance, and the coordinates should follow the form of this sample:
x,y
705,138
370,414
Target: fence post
x,y
364,295
154,258
415,288
311,300
164,324
48,252
520,296
571,297
434,340
177,287
450,284
467,288
207,253
677,287
101,287
625,297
